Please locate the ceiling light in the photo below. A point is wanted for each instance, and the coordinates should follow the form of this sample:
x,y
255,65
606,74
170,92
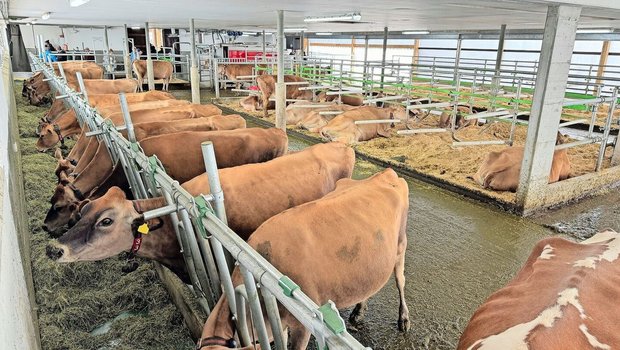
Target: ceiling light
x,y
135,27
348,17
594,30
323,33
294,30
76,3
248,33
45,16
414,32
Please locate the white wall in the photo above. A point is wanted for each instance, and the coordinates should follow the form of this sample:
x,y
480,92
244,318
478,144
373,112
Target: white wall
x,y
17,330
78,37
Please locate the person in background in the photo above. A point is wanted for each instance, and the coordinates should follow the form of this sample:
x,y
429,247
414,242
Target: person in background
x,y
109,61
88,55
47,54
48,44
135,54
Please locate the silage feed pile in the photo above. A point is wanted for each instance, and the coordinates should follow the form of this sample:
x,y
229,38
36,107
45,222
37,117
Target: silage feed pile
x,y
75,299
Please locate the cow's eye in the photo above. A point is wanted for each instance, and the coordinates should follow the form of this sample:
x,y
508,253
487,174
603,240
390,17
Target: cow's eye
x,y
106,222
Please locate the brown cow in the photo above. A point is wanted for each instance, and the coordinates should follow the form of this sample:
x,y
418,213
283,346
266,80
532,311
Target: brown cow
x,y
295,112
565,297
98,88
500,170
161,70
445,120
267,86
67,125
232,148
343,128
232,71
286,181
347,99
306,244
315,121
216,122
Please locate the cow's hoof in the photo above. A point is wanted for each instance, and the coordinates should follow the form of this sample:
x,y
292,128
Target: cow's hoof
x,y
404,325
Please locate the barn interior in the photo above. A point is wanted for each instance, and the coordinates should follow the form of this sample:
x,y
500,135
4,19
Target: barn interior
x,y
521,72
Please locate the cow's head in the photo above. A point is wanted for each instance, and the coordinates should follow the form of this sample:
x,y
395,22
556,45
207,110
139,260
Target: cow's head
x,y
104,229
400,112
49,135
65,203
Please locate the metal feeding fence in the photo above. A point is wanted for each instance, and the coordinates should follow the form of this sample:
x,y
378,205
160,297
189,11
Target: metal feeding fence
x,y
207,242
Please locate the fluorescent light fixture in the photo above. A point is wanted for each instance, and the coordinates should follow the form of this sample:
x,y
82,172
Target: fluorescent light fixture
x,y
323,33
594,30
76,3
354,17
249,33
135,27
294,30
45,16
414,32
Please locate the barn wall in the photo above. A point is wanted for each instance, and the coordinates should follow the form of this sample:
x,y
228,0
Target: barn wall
x,y
19,329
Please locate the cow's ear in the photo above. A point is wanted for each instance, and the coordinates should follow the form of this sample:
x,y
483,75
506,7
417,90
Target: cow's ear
x,y
383,130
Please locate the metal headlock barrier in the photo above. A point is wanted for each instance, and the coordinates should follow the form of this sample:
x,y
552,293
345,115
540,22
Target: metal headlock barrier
x,y
205,239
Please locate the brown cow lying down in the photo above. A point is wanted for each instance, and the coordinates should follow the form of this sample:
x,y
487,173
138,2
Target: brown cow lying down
x,y
350,267
347,99
315,121
252,103
161,70
267,86
446,122
500,170
565,297
285,182
343,128
107,86
294,113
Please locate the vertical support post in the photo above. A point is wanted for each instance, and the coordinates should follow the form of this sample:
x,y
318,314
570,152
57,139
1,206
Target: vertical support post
x,y
602,61
42,48
264,48
271,307
385,39
254,301
126,54
557,49
149,60
193,72
280,87
80,80
131,135
498,58
352,47
457,56
366,45
416,52
106,55
610,116
302,47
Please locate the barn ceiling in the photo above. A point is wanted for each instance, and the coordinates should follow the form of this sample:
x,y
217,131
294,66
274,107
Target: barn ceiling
x,y
398,15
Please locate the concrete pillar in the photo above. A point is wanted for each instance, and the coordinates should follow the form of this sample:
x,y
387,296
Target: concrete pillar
x,y
457,56
365,56
280,87
385,39
301,43
126,54
555,56
149,61
193,72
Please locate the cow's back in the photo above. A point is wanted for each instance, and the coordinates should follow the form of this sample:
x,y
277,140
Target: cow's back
x,y
564,297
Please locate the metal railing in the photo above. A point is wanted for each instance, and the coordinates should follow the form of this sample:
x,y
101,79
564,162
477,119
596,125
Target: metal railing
x,y
204,237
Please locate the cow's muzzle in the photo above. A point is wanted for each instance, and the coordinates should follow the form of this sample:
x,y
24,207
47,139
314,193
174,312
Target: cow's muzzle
x,y
54,252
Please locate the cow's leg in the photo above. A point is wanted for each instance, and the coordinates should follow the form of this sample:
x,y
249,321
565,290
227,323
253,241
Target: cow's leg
x,y
358,312
140,80
265,105
399,276
299,337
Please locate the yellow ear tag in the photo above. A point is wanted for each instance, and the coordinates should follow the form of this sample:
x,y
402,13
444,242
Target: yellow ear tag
x,y
144,229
